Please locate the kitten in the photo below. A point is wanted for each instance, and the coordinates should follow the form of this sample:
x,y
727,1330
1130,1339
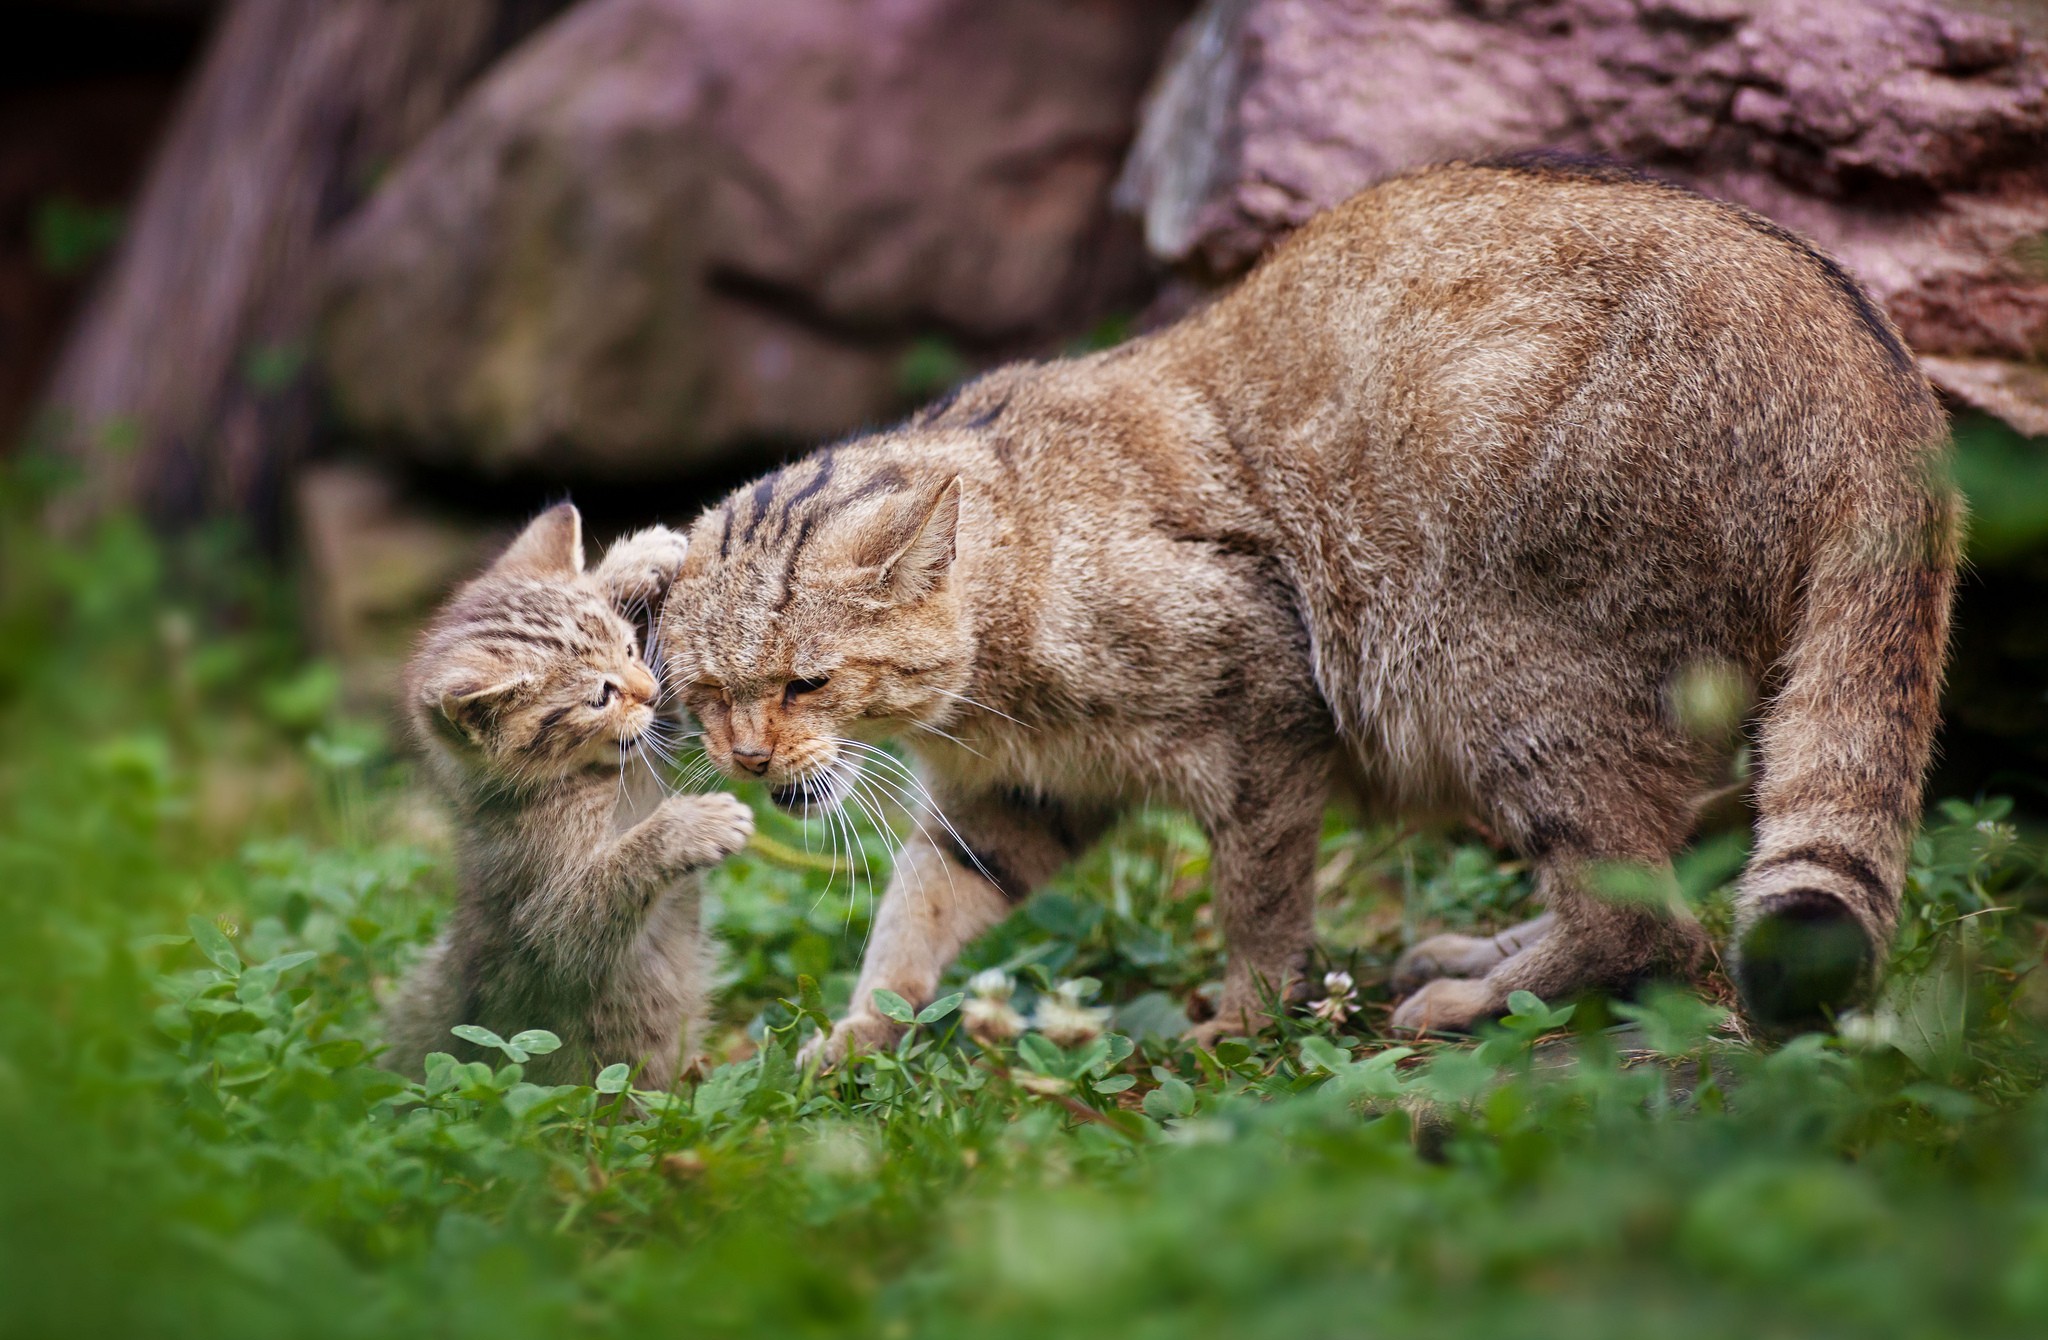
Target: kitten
x,y
527,696
1469,480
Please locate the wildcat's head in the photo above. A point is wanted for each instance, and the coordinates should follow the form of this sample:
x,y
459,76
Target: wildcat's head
x,y
528,673
819,610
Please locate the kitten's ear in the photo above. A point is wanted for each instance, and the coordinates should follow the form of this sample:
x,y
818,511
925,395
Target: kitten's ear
x,y
921,561
468,710
550,546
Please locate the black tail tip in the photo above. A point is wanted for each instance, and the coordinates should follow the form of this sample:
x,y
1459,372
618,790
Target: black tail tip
x,y
1803,961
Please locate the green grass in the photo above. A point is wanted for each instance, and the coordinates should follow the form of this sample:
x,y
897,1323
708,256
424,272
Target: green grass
x,y
207,872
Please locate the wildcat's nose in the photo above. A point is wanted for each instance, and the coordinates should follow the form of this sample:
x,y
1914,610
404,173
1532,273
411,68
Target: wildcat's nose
x,y
753,758
640,684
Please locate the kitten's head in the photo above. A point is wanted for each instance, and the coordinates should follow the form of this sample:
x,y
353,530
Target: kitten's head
x,y
528,674
819,610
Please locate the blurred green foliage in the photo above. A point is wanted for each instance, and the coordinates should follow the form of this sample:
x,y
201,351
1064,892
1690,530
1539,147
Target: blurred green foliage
x,y
207,874
2005,477
930,366
70,236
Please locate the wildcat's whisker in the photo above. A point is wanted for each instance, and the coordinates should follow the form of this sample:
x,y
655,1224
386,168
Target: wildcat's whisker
x,y
863,781
859,794
961,697
948,735
927,801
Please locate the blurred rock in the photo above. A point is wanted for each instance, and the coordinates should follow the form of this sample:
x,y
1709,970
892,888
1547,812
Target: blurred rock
x,y
665,228
376,564
1908,137
180,386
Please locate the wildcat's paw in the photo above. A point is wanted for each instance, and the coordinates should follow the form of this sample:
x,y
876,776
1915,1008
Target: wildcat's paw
x,y
704,830
642,566
1445,956
1448,1005
856,1032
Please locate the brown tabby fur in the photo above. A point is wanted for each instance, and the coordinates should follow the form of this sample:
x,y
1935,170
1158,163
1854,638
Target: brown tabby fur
x,y
527,695
1464,481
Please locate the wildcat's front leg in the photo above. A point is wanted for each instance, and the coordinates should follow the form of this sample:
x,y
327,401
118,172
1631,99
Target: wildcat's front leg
x,y
934,905
952,882
1262,868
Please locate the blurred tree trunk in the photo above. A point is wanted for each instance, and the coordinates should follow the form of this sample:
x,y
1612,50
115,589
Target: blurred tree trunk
x,y
182,387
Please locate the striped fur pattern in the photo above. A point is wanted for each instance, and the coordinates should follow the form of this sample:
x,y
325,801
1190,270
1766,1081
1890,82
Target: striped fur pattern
x,y
577,911
1459,489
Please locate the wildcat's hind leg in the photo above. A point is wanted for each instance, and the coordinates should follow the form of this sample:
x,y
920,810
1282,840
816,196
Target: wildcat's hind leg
x,y
1596,790
1593,943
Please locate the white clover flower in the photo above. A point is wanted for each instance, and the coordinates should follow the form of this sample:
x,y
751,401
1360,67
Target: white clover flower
x,y
842,1152
1997,836
1869,1032
990,1020
991,984
1049,1085
1340,996
1066,1020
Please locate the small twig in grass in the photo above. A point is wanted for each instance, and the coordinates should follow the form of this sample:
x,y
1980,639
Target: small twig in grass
x,y
1073,1105
781,853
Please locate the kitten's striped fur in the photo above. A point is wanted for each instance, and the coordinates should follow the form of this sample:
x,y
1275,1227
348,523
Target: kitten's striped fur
x,y
1466,480
526,695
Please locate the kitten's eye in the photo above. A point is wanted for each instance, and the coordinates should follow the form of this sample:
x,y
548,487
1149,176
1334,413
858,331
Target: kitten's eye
x,y
797,687
606,694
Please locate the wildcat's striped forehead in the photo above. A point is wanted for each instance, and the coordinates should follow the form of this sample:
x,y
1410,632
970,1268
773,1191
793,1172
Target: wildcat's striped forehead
x,y
767,527
787,567
818,603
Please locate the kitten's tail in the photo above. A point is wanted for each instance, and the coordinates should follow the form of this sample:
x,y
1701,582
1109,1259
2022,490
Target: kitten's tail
x,y
1844,742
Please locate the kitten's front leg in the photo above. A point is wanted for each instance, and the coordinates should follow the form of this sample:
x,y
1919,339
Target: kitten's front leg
x,y
688,833
583,920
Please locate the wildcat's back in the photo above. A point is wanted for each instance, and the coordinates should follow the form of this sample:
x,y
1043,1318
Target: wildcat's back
x,y
1547,442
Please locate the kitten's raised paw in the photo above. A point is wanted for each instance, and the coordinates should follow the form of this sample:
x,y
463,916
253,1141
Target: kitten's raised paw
x,y
1447,1005
856,1032
704,830
643,565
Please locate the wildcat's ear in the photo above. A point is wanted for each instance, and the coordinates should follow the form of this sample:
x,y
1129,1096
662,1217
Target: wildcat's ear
x,y
550,546
467,710
920,561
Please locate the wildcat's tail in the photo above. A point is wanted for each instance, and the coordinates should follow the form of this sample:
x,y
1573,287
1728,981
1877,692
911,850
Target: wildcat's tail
x,y
1844,742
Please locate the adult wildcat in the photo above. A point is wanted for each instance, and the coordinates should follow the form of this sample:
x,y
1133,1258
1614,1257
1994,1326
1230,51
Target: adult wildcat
x,y
1468,478
527,696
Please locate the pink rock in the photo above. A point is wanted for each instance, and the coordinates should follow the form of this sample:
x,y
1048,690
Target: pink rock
x,y
1908,137
663,230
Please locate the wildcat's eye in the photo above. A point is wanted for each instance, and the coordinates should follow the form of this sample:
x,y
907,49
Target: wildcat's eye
x,y
606,694
797,687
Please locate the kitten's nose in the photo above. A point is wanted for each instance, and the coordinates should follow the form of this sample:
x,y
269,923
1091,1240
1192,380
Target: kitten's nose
x,y
640,684
752,757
